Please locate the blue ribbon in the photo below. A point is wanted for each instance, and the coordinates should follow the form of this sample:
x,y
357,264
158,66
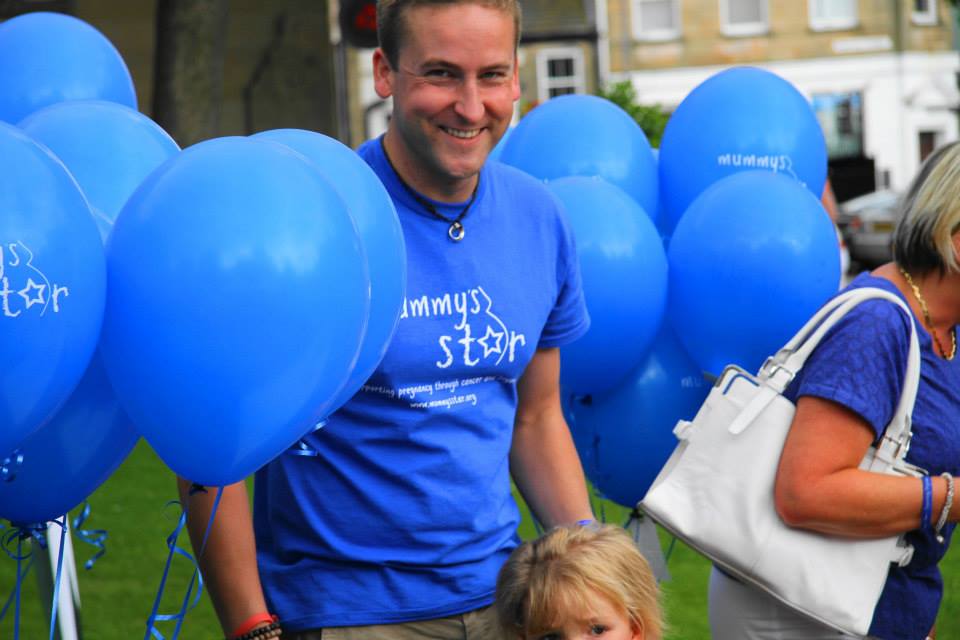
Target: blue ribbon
x,y
304,449
537,527
96,538
197,575
601,503
197,578
673,542
10,465
63,522
18,534
36,533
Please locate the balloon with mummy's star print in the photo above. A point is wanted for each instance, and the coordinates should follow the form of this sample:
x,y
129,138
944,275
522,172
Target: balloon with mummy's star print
x,y
52,286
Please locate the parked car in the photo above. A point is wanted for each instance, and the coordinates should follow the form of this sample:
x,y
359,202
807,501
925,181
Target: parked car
x,y
867,223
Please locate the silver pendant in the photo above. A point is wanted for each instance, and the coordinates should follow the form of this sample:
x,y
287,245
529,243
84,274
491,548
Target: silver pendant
x,y
456,231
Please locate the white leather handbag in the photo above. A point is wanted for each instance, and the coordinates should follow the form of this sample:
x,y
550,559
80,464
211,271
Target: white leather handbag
x,y
716,491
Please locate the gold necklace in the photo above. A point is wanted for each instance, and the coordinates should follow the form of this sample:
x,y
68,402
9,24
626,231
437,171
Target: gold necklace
x,y
926,319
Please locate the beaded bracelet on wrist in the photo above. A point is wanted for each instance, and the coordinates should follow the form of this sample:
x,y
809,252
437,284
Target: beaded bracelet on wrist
x,y
272,630
945,512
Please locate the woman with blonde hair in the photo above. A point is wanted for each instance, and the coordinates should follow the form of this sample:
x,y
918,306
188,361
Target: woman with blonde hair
x,y
845,396
578,582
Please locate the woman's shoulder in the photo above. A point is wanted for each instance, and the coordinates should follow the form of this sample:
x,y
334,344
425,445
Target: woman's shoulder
x,y
878,318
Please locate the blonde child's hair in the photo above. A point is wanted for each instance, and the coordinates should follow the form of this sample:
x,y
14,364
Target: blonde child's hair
x,y
545,578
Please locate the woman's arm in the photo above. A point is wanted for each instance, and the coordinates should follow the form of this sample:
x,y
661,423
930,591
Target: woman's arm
x,y
820,487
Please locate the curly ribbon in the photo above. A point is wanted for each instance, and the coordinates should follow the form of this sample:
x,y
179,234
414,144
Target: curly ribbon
x,y
197,575
155,616
304,449
10,465
96,538
35,533
190,600
18,534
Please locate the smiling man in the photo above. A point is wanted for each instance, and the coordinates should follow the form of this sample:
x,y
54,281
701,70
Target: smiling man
x,y
453,82
398,526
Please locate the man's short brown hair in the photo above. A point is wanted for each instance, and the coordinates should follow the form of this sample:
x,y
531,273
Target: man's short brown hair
x,y
390,27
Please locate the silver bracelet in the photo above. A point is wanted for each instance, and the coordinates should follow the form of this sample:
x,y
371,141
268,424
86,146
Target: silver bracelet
x,y
947,505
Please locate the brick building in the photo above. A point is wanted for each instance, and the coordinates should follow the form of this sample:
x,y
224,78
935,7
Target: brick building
x,y
881,74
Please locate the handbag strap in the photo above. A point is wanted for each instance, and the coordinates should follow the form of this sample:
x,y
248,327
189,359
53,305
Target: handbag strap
x,y
791,358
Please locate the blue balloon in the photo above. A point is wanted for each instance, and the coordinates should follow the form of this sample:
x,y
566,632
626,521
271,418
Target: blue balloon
x,y
377,223
52,286
738,120
109,148
754,256
51,57
583,439
238,297
497,152
70,456
578,135
625,436
624,273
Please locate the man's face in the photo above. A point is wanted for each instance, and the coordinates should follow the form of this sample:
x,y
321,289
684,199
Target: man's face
x,y
453,93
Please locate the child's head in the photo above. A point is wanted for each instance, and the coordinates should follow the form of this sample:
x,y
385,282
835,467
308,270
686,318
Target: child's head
x,y
580,576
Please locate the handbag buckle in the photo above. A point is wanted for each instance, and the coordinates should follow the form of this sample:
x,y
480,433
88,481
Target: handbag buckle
x,y
902,443
771,367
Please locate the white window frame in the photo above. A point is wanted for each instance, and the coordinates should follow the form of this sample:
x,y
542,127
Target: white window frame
x,y
818,23
747,28
926,18
654,35
545,82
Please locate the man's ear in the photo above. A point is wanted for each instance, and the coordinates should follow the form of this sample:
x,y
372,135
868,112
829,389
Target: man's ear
x,y
382,74
515,81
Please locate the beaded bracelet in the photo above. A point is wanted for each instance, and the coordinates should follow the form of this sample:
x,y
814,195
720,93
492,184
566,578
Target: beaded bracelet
x,y
246,631
947,504
272,630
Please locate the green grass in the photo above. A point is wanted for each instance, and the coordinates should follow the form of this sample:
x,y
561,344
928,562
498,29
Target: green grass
x,y
118,593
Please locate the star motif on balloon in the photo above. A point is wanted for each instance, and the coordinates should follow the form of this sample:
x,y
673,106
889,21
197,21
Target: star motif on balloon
x,y
485,342
33,293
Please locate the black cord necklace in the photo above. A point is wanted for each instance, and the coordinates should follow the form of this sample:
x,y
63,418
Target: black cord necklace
x,y
455,231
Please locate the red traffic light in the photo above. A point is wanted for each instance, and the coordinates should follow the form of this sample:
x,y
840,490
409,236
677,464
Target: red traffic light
x,y
358,22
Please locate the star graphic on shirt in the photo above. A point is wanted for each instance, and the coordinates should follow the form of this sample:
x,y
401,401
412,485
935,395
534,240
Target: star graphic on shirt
x,y
27,293
485,340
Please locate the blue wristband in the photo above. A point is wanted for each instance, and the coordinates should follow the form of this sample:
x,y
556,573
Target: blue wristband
x,y
586,523
926,512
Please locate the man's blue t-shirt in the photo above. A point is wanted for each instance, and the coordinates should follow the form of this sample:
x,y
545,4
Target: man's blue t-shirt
x,y
861,364
407,513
